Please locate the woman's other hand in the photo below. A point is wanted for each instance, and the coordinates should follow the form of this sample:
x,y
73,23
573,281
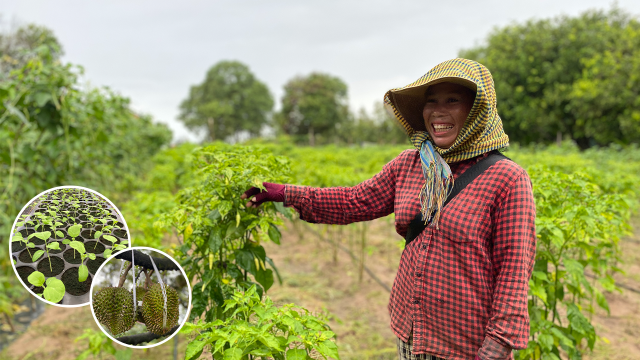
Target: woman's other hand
x,y
275,192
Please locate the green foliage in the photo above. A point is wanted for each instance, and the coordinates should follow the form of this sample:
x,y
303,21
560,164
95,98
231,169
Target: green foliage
x,y
228,101
376,128
567,76
53,288
260,329
222,249
18,47
313,105
98,344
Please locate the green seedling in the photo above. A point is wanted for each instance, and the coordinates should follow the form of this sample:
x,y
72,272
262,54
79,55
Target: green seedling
x,y
53,290
74,232
117,247
44,235
19,237
83,271
23,221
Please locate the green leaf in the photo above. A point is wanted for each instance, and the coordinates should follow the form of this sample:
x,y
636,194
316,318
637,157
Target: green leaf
x,y
106,253
110,238
17,237
297,354
194,349
92,256
83,273
54,246
36,278
546,340
37,255
31,245
97,235
274,234
233,354
54,291
328,348
43,235
78,246
74,230
59,233
265,278
66,241
215,240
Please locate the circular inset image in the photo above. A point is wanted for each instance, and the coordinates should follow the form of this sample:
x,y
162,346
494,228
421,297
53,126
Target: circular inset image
x,y
140,298
60,239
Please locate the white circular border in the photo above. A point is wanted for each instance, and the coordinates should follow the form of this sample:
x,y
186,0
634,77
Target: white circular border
x,y
186,317
22,210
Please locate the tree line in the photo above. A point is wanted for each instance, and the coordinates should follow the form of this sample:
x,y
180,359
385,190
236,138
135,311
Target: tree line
x,y
574,78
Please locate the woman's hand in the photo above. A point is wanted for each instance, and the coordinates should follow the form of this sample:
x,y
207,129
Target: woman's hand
x,y
275,192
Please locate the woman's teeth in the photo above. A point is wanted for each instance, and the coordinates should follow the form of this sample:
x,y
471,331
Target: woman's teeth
x,y
442,127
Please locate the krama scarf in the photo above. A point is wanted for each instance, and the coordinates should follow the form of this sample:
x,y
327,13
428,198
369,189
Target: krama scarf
x,y
481,133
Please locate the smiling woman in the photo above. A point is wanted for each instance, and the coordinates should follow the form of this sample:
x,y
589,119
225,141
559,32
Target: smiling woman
x,y
461,288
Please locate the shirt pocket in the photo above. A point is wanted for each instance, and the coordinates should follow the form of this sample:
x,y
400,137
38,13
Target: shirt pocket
x,y
465,222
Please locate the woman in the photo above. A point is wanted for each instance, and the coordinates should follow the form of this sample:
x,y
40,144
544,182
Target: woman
x,y
461,289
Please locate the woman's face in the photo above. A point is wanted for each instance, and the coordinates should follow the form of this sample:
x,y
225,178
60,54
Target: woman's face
x,y
445,112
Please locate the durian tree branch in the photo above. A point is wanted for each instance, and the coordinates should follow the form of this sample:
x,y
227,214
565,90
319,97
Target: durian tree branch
x,y
146,337
143,260
123,277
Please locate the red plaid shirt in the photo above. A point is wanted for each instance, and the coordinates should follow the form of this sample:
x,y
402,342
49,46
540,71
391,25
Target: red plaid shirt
x,y
462,289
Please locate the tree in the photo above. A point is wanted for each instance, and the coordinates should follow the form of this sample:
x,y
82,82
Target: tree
x,y
379,127
17,47
575,77
313,105
228,101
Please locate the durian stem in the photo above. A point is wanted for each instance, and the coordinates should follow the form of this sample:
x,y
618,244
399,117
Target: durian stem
x,y
123,277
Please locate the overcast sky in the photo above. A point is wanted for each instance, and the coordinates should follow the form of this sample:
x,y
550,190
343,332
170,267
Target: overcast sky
x,y
153,51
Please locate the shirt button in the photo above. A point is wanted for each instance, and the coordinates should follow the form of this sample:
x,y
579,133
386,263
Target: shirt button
x,y
416,301
424,246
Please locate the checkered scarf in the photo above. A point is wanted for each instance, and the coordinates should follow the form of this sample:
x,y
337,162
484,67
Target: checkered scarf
x,y
481,133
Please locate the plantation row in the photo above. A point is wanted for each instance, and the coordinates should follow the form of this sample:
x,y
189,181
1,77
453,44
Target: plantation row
x,y
583,199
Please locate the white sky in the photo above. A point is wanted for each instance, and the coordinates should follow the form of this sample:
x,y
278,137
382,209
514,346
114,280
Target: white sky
x,y
153,51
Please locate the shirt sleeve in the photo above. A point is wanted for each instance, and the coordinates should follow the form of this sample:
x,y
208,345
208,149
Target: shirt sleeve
x,y
368,200
513,256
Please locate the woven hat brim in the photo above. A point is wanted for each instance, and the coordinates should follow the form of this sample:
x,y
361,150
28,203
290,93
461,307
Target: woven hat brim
x,y
409,101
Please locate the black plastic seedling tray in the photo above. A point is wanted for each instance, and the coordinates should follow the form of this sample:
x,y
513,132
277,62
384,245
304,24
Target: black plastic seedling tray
x,y
64,262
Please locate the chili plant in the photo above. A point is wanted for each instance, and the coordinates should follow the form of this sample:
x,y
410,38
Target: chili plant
x,y
74,232
116,247
19,237
578,229
53,288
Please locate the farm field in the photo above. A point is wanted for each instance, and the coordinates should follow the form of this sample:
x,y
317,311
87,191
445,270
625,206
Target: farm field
x,y
311,279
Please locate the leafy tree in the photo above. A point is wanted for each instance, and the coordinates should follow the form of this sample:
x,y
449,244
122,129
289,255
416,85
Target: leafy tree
x,y
312,105
378,127
18,46
228,101
567,76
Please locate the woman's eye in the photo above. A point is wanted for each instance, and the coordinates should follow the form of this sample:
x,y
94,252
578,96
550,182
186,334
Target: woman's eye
x,y
431,101
451,100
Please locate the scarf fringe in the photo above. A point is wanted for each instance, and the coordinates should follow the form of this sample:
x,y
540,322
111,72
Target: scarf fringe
x,y
438,183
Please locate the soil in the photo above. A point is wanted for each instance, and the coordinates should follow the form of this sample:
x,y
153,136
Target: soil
x,y
72,285
26,232
24,272
83,217
17,246
57,265
88,234
116,223
93,265
86,224
94,247
107,242
38,289
121,233
62,248
26,255
69,256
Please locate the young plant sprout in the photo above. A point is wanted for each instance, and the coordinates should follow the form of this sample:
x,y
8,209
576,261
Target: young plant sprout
x,y
45,235
83,271
19,237
117,247
54,289
74,232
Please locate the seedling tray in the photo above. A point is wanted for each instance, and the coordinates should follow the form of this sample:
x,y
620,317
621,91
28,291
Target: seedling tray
x,y
63,261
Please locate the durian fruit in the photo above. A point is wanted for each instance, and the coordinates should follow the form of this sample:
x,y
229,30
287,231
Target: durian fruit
x,y
153,309
113,307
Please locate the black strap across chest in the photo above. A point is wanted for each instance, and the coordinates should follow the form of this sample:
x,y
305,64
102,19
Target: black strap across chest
x,y
417,225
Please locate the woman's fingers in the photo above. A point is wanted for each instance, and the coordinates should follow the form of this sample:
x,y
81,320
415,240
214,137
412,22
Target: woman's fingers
x,y
249,193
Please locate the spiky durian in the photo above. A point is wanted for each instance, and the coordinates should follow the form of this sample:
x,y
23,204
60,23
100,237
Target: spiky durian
x,y
113,307
153,309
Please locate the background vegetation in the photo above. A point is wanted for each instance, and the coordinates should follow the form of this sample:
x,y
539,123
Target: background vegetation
x,y
568,81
